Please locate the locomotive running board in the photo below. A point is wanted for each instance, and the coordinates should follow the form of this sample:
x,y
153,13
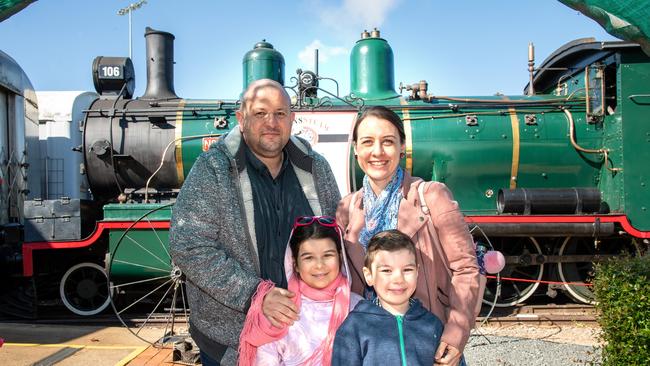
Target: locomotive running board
x,y
29,248
586,223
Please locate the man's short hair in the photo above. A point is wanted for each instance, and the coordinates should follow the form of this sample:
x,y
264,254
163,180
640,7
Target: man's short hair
x,y
255,86
390,241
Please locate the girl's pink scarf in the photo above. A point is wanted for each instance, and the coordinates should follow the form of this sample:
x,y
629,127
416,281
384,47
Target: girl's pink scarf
x,y
258,330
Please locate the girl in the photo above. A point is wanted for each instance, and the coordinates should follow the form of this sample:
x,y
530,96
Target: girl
x,y
317,273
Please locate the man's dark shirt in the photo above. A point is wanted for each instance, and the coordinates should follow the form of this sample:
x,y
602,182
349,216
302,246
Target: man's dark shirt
x,y
277,203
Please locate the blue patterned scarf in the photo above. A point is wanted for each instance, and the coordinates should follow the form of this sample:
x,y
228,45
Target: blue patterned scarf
x,y
381,211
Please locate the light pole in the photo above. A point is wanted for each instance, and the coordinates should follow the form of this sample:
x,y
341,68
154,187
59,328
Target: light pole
x,y
128,10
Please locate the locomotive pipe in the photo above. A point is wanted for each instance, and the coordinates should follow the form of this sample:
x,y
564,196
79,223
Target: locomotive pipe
x,y
160,65
548,201
595,229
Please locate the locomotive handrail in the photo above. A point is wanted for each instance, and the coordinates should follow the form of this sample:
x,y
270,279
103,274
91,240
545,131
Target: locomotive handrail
x,y
110,131
634,98
474,103
162,158
502,103
602,150
498,101
148,111
493,113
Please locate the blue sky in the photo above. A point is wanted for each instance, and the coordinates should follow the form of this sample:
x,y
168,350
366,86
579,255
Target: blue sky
x,y
462,47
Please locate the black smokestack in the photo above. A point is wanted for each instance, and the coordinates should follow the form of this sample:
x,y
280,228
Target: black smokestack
x,y
160,65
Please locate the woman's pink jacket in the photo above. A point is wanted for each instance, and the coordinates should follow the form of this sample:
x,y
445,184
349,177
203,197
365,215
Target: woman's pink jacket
x,y
453,299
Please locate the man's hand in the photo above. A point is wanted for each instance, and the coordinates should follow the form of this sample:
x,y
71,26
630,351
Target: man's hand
x,y
278,308
447,355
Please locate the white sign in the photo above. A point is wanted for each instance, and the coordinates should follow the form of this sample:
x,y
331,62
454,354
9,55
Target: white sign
x,y
329,134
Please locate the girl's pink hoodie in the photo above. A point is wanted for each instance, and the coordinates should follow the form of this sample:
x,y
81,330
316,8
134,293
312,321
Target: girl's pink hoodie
x,y
306,334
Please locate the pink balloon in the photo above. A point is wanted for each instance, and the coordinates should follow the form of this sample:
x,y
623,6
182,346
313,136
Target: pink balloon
x,y
494,261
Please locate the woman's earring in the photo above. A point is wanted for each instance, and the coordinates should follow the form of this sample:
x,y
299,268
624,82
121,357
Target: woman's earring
x,y
402,155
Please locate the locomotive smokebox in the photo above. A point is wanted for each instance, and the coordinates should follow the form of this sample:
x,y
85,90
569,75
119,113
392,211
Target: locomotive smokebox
x,y
160,65
123,148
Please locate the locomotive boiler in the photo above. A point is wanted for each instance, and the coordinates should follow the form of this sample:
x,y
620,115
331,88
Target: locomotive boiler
x,y
553,178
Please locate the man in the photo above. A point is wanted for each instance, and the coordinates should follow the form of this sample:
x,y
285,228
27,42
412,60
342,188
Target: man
x,y
233,217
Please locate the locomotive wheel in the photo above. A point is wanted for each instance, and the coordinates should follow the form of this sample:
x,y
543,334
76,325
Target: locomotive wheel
x,y
510,292
578,275
84,289
156,293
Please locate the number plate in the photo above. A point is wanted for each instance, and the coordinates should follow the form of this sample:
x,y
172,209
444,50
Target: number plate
x,y
207,141
110,72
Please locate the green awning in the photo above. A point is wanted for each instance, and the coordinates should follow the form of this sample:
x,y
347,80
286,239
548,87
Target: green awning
x,y
11,7
625,19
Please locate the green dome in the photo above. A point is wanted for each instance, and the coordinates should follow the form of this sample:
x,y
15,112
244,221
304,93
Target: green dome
x,y
263,62
372,74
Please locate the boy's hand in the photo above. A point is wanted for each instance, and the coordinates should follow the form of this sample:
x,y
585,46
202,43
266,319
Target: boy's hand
x,y
447,355
278,308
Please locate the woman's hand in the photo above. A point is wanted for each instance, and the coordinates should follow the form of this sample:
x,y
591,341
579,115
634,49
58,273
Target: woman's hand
x,y
278,308
447,355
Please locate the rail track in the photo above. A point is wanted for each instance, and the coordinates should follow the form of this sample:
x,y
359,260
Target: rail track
x,y
541,314
135,320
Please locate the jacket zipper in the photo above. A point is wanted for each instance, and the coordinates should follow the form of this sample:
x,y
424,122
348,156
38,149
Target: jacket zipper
x,y
400,331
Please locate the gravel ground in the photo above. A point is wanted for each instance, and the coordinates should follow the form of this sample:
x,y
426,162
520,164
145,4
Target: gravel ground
x,y
543,345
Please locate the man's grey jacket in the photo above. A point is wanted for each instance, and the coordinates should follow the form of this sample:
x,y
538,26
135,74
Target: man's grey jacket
x,y
212,236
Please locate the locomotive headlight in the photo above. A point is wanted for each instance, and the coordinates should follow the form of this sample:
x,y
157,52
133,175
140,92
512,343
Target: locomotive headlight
x,y
111,74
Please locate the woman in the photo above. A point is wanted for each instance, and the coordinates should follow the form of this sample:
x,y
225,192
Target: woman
x,y
389,199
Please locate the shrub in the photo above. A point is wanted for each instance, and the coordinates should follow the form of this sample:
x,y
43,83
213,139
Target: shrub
x,y
622,288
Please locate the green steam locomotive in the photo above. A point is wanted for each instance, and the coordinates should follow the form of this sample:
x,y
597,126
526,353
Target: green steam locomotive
x,y
554,178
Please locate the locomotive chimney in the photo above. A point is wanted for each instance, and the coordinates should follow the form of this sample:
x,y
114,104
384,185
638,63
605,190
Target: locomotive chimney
x,y
160,65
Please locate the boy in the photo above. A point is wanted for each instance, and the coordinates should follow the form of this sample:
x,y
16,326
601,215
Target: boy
x,y
392,329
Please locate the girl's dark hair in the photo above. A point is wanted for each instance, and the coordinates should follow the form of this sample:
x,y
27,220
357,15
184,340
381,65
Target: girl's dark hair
x,y
313,231
382,113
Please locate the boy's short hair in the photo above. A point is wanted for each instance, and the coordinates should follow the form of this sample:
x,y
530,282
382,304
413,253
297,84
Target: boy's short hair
x,y
390,241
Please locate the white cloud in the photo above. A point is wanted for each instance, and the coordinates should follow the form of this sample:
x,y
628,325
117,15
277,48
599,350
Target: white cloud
x,y
355,14
325,53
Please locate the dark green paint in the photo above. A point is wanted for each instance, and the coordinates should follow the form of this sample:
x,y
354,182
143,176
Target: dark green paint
x,y
635,112
263,62
203,124
134,211
141,252
372,70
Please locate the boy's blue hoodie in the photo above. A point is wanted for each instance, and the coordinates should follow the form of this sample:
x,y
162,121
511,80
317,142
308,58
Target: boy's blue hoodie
x,y
371,335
